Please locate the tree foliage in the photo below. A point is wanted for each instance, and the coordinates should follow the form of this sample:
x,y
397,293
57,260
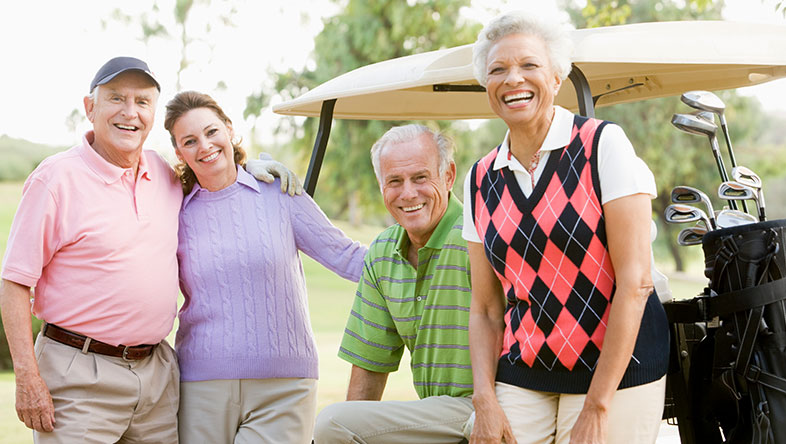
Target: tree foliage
x,y
176,14
365,32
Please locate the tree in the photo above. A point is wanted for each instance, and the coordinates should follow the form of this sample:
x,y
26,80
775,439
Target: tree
x,y
75,119
364,32
156,22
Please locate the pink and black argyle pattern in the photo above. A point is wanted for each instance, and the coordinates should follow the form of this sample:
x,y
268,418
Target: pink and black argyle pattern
x,y
549,252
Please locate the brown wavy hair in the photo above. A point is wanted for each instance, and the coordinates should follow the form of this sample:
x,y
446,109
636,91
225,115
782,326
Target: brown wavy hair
x,y
182,103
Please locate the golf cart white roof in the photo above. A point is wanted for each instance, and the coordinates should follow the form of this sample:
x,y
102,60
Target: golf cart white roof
x,y
621,63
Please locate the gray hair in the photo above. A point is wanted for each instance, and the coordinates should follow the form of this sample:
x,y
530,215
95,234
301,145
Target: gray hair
x,y
555,34
406,133
94,94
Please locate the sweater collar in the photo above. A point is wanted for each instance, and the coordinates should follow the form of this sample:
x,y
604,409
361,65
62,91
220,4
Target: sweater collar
x,y
243,179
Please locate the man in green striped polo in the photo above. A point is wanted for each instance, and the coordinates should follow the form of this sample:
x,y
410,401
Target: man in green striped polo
x,y
414,293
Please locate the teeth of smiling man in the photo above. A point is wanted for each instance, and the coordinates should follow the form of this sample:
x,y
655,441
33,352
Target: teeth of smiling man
x,y
126,127
416,207
210,157
526,96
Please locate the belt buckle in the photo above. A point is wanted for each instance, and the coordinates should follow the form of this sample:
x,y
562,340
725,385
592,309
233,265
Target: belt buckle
x,y
125,354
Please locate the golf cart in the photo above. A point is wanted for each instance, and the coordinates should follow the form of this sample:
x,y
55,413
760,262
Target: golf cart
x,y
611,65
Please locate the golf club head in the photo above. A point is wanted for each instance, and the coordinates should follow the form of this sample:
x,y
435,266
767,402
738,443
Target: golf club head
x,y
732,190
733,218
706,115
679,214
703,100
684,194
691,236
694,125
746,176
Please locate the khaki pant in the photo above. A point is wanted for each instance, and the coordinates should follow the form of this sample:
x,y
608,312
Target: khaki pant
x,y
101,399
245,411
546,418
436,419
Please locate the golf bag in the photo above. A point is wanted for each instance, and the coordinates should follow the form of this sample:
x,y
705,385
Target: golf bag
x,y
727,378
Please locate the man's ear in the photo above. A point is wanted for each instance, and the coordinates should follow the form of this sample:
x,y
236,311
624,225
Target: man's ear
x,y
89,107
450,175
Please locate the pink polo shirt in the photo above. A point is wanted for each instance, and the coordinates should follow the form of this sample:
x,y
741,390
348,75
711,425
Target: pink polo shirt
x,y
98,246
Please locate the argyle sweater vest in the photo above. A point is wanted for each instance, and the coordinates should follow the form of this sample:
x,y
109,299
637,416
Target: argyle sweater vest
x,y
549,252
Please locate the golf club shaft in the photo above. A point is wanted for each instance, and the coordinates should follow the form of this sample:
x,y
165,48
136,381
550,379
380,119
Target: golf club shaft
x,y
725,130
727,138
721,167
762,216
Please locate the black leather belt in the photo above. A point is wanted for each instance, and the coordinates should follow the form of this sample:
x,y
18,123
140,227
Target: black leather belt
x,y
129,353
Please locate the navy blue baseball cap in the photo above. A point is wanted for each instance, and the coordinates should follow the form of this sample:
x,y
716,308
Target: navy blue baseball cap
x,y
117,65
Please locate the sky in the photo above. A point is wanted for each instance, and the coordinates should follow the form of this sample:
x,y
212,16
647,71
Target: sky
x,y
51,50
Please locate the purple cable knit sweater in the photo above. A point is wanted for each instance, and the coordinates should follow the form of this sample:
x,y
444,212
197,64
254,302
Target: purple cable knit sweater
x,y
246,313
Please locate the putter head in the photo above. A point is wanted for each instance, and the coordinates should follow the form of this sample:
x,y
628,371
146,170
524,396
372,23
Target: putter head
x,y
691,236
694,125
703,100
736,191
733,218
746,176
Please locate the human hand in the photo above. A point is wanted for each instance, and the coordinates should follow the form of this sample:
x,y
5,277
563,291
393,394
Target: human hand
x,y
266,169
34,405
489,425
590,427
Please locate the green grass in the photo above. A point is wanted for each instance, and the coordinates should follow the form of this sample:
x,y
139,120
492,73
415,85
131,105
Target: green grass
x,y
330,299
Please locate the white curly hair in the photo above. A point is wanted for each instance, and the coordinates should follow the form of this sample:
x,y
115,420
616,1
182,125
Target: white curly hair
x,y
554,32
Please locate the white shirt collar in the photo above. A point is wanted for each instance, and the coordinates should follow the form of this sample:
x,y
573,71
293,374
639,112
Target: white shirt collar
x,y
558,137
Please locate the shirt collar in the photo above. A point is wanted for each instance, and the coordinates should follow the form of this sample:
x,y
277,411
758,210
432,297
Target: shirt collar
x,y
440,234
243,178
557,137
109,172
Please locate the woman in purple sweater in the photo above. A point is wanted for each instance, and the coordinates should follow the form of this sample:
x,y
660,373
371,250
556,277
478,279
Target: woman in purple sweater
x,y
247,357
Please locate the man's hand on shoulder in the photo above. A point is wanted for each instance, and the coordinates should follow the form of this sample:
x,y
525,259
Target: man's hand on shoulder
x,y
266,169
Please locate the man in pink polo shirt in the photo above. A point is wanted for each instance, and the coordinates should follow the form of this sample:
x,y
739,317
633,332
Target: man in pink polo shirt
x,y
96,235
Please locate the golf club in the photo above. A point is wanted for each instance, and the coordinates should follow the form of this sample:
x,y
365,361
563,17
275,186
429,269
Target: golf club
x,y
746,176
692,124
707,101
736,191
733,218
685,195
691,236
706,115
679,213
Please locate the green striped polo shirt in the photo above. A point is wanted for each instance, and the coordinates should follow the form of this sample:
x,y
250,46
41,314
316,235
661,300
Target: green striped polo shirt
x,y
425,309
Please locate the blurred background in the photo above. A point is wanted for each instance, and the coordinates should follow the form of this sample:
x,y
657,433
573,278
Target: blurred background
x,y
250,55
